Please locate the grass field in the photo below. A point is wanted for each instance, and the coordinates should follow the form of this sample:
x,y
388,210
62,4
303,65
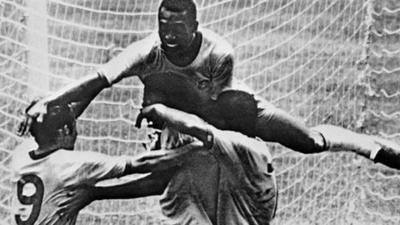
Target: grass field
x,y
305,56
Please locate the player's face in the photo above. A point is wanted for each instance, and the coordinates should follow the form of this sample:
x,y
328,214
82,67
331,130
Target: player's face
x,y
66,137
176,30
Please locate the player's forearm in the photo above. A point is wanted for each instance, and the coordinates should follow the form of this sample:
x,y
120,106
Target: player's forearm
x,y
153,184
160,160
183,122
84,89
188,124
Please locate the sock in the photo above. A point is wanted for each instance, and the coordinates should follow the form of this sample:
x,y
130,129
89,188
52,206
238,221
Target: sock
x,y
387,158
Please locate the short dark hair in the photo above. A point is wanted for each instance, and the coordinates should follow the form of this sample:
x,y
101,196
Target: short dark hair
x,y
239,111
180,6
56,118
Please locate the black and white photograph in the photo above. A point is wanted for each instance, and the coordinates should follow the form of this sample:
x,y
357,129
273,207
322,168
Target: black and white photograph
x,y
199,112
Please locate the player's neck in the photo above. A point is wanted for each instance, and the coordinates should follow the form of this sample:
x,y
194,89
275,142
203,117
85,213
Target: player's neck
x,y
46,149
41,152
186,56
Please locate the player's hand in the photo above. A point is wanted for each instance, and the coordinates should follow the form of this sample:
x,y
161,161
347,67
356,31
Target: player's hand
x,y
153,114
75,200
36,110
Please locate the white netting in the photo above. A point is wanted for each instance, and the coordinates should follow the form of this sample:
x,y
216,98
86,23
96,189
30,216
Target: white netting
x,y
306,56
379,187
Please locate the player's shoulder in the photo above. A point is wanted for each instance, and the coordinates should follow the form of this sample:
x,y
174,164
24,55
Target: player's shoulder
x,y
76,156
82,159
26,145
21,152
239,146
219,44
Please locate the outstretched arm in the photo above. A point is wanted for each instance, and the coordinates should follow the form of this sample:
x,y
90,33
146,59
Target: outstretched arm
x,y
129,62
92,167
81,196
152,184
184,122
80,92
160,160
161,165
86,88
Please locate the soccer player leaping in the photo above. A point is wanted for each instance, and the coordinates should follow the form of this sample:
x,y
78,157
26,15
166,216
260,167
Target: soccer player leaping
x,y
182,55
44,175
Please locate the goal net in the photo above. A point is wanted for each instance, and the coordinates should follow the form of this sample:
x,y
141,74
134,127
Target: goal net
x,y
326,61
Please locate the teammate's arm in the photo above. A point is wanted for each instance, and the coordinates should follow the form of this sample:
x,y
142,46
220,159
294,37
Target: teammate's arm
x,y
91,167
152,184
82,90
159,160
81,196
182,121
129,62
161,165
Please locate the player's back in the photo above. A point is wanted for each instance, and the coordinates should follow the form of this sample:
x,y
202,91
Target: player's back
x,y
247,181
231,183
39,184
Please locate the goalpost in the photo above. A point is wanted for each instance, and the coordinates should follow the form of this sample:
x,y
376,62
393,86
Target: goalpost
x,y
326,61
37,47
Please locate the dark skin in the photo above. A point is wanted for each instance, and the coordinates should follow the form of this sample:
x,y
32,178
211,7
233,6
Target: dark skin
x,y
179,36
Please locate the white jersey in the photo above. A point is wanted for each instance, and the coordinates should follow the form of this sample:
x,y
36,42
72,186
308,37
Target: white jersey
x,y
40,183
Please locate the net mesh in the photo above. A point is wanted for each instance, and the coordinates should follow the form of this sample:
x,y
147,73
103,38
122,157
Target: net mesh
x,y
313,58
379,187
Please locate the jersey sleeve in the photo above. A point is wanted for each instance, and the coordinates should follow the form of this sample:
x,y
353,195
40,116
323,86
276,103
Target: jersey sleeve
x,y
244,154
130,62
89,167
222,68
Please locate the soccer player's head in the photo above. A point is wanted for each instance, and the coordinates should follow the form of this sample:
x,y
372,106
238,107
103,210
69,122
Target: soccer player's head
x,y
58,128
177,23
235,110
238,110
